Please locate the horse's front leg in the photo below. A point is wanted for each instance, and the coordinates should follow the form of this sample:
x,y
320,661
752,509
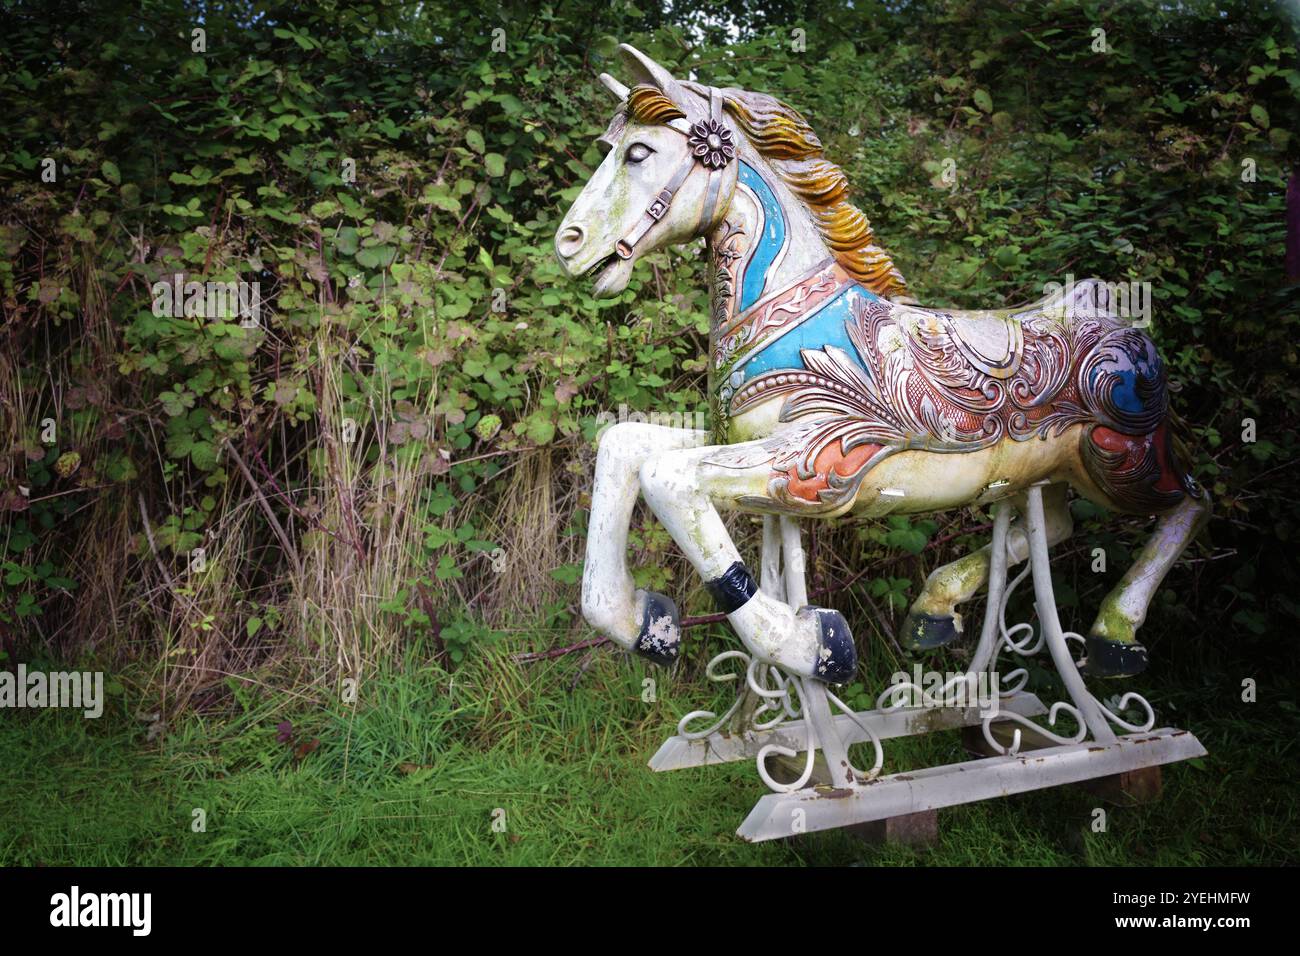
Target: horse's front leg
x,y
684,489
610,603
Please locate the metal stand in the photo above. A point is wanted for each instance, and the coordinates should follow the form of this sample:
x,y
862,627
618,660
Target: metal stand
x,y
778,715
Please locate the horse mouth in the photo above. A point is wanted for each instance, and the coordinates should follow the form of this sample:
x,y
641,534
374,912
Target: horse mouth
x,y
600,265
604,272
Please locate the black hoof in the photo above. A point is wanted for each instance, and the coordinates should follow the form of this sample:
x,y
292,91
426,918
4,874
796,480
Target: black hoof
x,y
838,661
1113,658
661,634
923,632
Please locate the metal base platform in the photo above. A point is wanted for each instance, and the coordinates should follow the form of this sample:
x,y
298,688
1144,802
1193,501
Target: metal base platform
x,y
780,815
777,716
678,752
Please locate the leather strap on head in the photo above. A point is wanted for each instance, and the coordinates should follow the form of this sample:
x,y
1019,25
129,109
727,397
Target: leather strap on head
x,y
658,207
655,211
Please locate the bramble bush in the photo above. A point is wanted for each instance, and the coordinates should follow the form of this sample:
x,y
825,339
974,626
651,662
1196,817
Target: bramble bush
x,y
395,456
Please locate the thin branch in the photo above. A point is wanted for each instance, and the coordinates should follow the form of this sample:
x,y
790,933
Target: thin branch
x,y
559,651
266,509
153,545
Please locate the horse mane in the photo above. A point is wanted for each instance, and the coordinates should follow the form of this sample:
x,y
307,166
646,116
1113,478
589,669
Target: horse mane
x,y
646,105
783,137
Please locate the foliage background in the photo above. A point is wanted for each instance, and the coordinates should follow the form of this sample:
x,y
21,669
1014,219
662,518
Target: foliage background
x,y
421,302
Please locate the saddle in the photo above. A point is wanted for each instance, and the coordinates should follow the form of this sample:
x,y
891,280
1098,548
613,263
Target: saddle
x,y
994,341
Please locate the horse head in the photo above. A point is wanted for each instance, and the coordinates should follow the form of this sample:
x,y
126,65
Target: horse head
x,y
668,176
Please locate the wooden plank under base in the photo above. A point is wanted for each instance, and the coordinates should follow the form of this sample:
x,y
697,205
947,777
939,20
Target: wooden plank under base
x,y
911,829
1130,788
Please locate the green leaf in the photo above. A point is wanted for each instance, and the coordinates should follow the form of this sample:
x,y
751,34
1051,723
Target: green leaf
x,y
346,241
540,428
376,257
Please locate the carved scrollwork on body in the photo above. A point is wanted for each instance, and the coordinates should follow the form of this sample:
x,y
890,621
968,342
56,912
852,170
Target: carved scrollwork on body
x,y
917,378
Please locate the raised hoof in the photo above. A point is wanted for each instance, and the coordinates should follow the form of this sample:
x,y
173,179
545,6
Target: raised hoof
x,y
837,662
923,632
661,634
1113,658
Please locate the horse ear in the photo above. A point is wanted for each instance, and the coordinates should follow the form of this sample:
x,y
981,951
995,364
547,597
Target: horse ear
x,y
646,70
614,86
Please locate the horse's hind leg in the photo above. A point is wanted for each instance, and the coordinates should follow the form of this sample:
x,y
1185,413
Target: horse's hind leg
x,y
610,602
684,488
933,619
1113,649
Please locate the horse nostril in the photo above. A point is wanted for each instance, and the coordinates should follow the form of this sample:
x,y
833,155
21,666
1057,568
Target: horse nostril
x,y
569,241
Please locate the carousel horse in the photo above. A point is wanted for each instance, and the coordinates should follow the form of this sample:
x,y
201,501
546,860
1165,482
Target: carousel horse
x,y
833,392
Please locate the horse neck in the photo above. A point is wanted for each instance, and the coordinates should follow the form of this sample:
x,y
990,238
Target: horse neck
x,y
733,244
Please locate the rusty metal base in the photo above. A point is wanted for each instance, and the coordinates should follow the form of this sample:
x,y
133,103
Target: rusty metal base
x,y
780,815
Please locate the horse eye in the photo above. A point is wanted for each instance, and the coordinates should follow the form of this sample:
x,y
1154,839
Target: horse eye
x,y
638,152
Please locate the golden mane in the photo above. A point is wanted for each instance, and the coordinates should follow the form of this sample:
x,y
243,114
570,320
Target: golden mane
x,y
647,105
783,137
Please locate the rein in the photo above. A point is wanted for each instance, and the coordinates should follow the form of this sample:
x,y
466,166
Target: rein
x,y
712,146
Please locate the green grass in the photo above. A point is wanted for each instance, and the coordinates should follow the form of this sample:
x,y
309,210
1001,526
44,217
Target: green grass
x,y
413,773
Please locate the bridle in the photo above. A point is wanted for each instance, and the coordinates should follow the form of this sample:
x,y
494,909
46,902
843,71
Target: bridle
x,y
711,146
